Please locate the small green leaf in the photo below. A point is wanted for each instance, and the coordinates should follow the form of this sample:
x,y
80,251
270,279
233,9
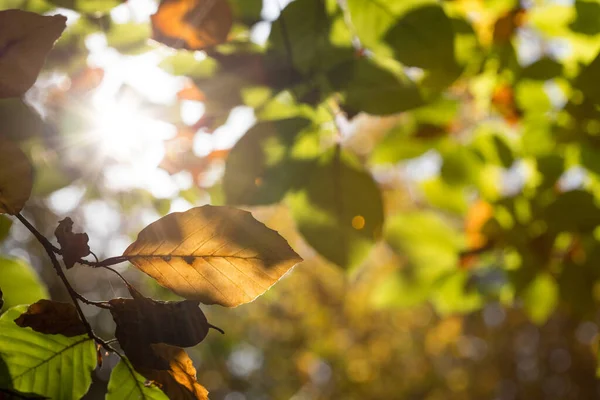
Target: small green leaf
x,y
88,6
424,37
268,161
339,211
54,366
129,38
369,87
20,283
126,384
541,298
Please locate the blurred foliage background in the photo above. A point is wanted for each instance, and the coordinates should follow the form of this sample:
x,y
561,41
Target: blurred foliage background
x,y
436,164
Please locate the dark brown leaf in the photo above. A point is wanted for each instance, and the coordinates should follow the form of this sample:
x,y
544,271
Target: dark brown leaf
x,y
25,40
142,321
73,245
192,24
52,317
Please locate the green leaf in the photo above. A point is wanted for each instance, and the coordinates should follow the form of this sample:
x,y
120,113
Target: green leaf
x,y
371,88
426,240
339,211
573,211
300,36
373,18
588,79
126,384
540,298
543,69
268,161
54,366
5,225
129,38
186,63
20,283
246,11
454,295
88,6
424,37
588,15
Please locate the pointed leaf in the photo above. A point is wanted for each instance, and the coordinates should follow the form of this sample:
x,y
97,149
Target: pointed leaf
x,y
192,24
217,255
25,40
16,177
54,366
179,380
340,211
127,384
52,317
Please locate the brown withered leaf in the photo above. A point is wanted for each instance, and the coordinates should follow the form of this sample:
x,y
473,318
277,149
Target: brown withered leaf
x,y
192,24
179,380
179,323
73,245
213,254
16,178
52,317
25,40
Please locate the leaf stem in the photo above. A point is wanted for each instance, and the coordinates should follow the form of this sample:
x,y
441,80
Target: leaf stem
x,y
72,292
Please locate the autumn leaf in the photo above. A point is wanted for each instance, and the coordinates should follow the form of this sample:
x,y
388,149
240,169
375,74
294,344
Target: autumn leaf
x,y
179,380
73,245
192,24
25,40
179,323
217,255
477,216
16,177
52,317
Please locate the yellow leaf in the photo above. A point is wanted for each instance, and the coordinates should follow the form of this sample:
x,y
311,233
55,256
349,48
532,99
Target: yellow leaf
x,y
25,40
217,255
192,24
16,177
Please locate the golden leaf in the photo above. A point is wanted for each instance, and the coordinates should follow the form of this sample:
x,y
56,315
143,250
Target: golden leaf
x,y
217,255
25,40
16,177
192,24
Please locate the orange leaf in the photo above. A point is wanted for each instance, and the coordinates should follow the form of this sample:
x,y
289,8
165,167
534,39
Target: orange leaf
x,y
191,92
25,40
192,24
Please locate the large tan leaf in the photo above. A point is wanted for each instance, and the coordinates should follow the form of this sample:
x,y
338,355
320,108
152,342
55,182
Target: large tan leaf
x,y
16,177
217,255
192,24
25,40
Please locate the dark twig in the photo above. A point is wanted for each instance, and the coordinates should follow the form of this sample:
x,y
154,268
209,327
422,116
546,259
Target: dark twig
x,y
72,292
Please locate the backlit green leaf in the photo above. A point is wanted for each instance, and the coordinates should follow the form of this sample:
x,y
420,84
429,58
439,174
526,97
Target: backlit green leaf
x,y
54,366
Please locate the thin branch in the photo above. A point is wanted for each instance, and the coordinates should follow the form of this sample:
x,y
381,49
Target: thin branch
x,y
72,292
